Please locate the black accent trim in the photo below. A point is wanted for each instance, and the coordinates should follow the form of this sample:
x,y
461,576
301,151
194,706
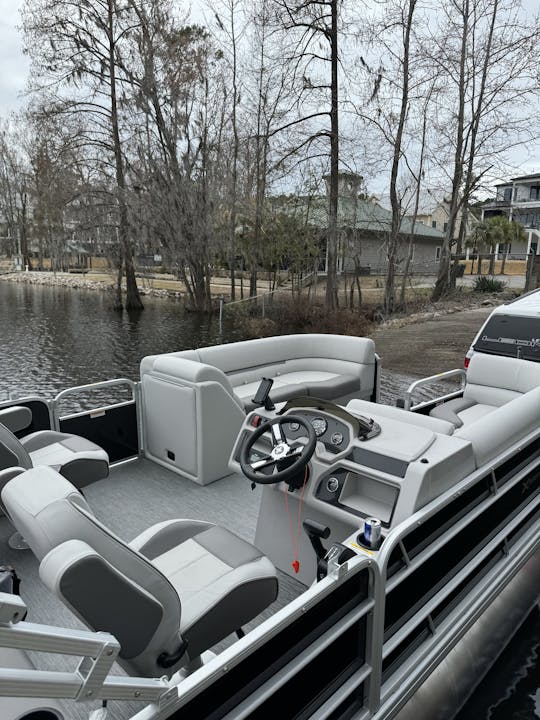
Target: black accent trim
x,y
87,581
307,688
384,463
114,430
412,593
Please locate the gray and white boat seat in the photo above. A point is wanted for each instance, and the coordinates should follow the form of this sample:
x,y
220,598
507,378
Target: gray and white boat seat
x,y
500,405
169,595
76,458
491,381
194,401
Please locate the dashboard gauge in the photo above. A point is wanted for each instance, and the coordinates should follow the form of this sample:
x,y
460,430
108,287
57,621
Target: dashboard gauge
x,y
337,438
294,426
319,425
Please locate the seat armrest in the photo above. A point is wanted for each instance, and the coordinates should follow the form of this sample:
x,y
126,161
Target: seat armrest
x,y
8,473
163,536
16,417
5,476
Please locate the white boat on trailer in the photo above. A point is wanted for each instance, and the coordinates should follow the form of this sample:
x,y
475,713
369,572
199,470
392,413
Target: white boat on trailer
x,y
373,559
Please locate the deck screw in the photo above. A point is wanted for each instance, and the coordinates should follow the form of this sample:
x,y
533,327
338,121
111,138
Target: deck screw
x,y
89,693
137,693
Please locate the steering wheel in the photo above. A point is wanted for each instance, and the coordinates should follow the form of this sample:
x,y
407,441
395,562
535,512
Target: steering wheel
x,y
281,454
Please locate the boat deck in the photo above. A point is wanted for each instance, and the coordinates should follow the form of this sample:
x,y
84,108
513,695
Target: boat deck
x,y
136,495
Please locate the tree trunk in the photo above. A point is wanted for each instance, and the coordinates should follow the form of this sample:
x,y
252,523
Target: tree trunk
x,y
133,298
393,240
118,305
443,278
332,236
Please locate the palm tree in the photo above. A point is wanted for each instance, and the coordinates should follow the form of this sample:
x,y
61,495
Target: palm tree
x,y
493,231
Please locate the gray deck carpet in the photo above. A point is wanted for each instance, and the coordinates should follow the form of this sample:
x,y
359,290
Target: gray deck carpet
x,y
135,496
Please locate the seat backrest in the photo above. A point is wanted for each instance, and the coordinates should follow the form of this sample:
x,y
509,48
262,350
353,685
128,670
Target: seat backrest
x,y
12,451
16,417
496,380
114,588
497,431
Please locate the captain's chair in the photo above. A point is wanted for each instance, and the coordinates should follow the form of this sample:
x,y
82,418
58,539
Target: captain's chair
x,y
167,596
76,458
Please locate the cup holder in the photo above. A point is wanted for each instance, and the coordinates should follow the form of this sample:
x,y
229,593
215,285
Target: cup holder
x,y
41,714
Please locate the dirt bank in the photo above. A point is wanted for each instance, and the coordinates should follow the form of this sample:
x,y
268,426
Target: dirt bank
x,y
420,349
424,348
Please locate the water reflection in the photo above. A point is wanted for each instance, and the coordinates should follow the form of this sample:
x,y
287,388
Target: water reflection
x,y
54,338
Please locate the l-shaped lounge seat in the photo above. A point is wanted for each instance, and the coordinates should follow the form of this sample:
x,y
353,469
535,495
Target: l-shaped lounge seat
x,y
331,367
194,401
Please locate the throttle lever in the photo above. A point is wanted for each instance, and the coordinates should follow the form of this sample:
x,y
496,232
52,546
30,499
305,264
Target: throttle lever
x,y
315,531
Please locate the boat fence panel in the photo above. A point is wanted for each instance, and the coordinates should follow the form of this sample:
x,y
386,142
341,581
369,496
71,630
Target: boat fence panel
x,y
315,657
115,426
447,563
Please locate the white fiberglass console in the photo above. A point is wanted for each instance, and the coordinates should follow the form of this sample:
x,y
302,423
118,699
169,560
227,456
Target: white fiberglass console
x,y
337,470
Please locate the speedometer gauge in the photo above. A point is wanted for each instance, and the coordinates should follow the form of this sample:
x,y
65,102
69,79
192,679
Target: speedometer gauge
x,y
319,425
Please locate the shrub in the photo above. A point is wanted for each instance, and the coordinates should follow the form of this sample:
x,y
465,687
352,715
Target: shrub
x,y
288,315
488,285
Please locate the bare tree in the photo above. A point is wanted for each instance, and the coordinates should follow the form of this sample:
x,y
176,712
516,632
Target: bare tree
x,y
14,192
406,11
76,51
393,111
171,76
268,96
316,22
229,18
487,53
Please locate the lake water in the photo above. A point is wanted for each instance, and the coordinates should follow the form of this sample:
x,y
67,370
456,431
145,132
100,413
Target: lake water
x,y
54,338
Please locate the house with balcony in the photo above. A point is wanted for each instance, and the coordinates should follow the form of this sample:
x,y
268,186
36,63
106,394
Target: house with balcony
x,y
519,200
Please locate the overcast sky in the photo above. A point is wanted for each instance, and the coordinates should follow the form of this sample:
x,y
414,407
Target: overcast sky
x,y
13,64
14,70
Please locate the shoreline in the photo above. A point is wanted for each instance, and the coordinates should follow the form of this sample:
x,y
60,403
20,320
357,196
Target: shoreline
x,y
82,281
103,282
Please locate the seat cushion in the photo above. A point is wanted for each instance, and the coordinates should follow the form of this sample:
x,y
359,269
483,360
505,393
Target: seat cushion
x,y
76,458
461,410
449,410
219,572
317,383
